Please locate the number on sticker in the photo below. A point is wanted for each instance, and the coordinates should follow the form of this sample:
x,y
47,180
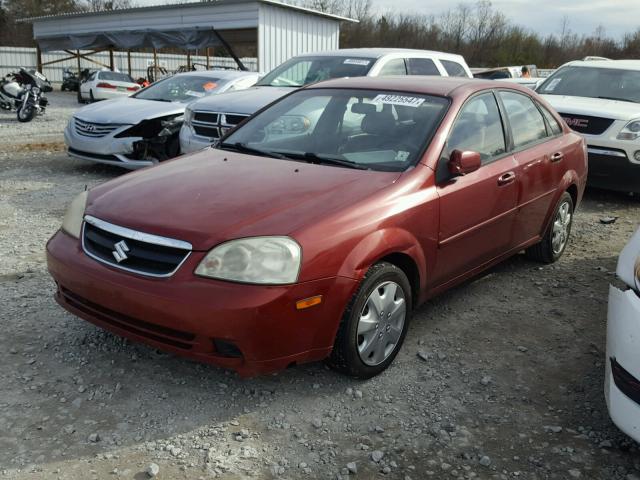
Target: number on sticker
x,y
399,100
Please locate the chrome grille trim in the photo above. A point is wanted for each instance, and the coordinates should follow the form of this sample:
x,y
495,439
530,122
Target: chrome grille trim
x,y
138,236
95,130
219,126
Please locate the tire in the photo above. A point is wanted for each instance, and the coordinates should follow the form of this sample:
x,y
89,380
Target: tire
x,y
385,330
26,114
546,251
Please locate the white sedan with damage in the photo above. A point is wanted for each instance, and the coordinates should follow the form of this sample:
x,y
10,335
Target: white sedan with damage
x,y
142,129
622,376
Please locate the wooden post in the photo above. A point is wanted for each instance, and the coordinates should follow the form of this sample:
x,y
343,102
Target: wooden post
x,y
38,58
155,65
111,59
188,59
129,61
208,65
78,60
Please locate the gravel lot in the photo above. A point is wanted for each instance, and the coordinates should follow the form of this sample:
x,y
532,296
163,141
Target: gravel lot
x,y
499,378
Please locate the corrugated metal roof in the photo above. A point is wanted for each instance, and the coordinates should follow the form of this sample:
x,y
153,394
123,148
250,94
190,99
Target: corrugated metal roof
x,y
276,3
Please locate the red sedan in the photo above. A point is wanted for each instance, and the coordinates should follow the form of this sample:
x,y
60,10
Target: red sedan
x,y
315,228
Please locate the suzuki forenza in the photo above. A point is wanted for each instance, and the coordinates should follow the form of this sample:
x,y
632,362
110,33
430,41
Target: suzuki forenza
x,y
314,229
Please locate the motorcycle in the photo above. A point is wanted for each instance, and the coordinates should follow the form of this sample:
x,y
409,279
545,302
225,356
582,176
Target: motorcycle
x,y
24,91
71,81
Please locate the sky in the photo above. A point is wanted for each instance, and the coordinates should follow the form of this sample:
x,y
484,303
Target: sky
x,y
543,16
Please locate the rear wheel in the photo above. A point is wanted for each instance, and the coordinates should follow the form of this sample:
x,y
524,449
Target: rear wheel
x,y
553,244
374,324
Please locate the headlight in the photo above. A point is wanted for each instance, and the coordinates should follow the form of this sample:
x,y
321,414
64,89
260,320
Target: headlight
x,y
264,260
188,116
171,121
631,131
72,223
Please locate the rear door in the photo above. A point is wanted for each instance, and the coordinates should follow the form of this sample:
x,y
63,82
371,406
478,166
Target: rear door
x,y
478,210
539,152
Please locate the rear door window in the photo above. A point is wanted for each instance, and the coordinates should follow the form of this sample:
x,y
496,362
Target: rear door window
x,y
554,126
454,69
527,124
422,66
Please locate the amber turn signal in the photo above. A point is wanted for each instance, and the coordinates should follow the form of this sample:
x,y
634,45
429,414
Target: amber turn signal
x,y
309,302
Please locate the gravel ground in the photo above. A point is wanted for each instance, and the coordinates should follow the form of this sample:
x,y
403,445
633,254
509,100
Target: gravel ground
x,y
501,377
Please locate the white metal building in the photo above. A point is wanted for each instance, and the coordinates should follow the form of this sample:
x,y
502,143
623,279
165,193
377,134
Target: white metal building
x,y
279,30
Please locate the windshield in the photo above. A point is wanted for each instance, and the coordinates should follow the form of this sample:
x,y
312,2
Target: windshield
x,y
365,129
115,76
594,82
301,71
180,88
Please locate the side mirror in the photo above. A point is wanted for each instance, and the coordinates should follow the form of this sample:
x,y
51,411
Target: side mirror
x,y
463,163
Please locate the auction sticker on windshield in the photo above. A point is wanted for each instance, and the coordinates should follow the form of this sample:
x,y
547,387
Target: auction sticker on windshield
x,y
356,61
399,100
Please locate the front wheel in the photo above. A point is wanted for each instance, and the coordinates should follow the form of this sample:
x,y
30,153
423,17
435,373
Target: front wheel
x,y
26,113
553,244
375,323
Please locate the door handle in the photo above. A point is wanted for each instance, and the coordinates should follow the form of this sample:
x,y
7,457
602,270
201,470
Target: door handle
x,y
506,178
556,157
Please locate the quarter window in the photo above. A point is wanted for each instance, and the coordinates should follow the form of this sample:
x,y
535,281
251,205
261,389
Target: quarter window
x,y
393,67
527,124
454,69
478,128
554,126
422,66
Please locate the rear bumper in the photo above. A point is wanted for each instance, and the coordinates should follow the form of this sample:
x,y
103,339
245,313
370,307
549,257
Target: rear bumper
x,y
108,93
611,169
187,315
622,384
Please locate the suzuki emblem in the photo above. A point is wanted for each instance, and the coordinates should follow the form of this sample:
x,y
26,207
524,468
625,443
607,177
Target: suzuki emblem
x,y
120,252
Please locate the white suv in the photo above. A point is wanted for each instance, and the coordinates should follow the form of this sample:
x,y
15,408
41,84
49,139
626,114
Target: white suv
x,y
601,100
208,119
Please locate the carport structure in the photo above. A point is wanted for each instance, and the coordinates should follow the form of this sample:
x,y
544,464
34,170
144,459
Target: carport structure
x,y
279,30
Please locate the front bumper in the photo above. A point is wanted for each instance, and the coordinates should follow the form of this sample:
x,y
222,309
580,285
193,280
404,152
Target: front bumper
x,y
108,149
623,361
189,315
612,165
190,142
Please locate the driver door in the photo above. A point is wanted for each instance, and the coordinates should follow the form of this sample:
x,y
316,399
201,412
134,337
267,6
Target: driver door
x,y
84,86
477,210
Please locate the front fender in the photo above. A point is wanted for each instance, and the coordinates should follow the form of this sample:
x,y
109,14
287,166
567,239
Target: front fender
x,y
379,244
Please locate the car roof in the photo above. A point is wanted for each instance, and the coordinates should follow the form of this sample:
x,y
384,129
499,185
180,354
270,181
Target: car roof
x,y
220,74
617,64
427,85
379,53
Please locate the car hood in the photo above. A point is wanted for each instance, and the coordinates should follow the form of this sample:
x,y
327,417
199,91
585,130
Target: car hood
x,y
596,107
213,196
128,110
242,101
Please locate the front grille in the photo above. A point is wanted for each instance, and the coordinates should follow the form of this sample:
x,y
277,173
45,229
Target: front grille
x,y
94,130
157,333
214,125
131,250
587,124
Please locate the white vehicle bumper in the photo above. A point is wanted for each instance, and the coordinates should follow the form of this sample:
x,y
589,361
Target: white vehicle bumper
x,y
109,93
190,142
623,355
108,149
612,162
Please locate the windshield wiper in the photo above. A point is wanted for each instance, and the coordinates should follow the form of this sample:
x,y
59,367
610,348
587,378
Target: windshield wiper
x,y
321,159
618,99
244,148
